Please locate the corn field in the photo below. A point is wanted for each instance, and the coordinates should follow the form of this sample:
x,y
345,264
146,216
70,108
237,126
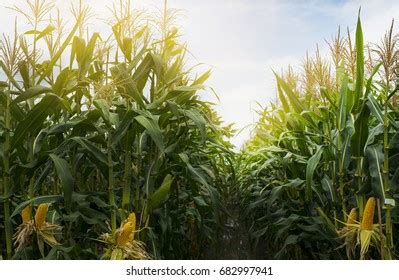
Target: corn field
x,y
109,150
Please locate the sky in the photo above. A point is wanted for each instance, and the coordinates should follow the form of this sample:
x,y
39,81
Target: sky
x,y
241,41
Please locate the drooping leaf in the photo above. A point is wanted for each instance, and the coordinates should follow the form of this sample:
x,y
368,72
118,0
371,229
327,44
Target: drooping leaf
x,y
153,129
36,201
32,92
375,158
65,176
310,169
161,193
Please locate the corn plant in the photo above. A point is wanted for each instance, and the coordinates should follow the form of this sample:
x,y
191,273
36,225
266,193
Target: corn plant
x,y
325,147
100,127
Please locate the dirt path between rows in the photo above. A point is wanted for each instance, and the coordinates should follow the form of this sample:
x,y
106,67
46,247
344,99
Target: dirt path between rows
x,y
234,240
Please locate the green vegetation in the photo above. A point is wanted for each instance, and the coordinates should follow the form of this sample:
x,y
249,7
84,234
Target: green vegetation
x,y
327,145
109,151
99,127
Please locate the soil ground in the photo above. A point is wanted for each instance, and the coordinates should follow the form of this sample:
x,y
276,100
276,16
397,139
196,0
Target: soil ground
x,y
234,240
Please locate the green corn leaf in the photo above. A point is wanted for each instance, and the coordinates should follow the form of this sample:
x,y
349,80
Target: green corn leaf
x,y
126,84
161,193
91,149
370,79
127,48
202,79
32,92
198,120
359,65
65,176
60,51
394,183
343,105
327,185
292,97
142,72
85,53
103,107
153,129
394,142
23,67
282,98
63,78
330,97
36,201
360,137
34,119
10,76
158,66
310,169
378,112
122,127
16,112
48,30
375,158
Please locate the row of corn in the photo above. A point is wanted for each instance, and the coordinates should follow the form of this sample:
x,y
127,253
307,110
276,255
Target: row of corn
x,y
95,127
329,144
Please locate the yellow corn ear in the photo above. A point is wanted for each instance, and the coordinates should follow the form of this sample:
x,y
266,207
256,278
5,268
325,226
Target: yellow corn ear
x,y
368,215
352,218
132,219
125,234
40,216
26,214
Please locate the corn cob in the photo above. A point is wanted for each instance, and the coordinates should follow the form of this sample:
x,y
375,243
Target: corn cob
x,y
26,214
125,235
40,216
368,215
132,219
352,218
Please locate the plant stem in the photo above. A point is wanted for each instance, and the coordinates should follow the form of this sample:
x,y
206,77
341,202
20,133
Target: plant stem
x,y
388,222
6,180
126,181
111,185
359,177
380,232
341,173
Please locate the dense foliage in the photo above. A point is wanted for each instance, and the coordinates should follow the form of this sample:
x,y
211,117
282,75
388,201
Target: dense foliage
x,y
98,129
108,150
327,145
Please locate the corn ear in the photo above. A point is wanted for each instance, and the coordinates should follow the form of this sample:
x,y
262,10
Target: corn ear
x,y
352,218
368,215
40,216
26,214
132,219
125,235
